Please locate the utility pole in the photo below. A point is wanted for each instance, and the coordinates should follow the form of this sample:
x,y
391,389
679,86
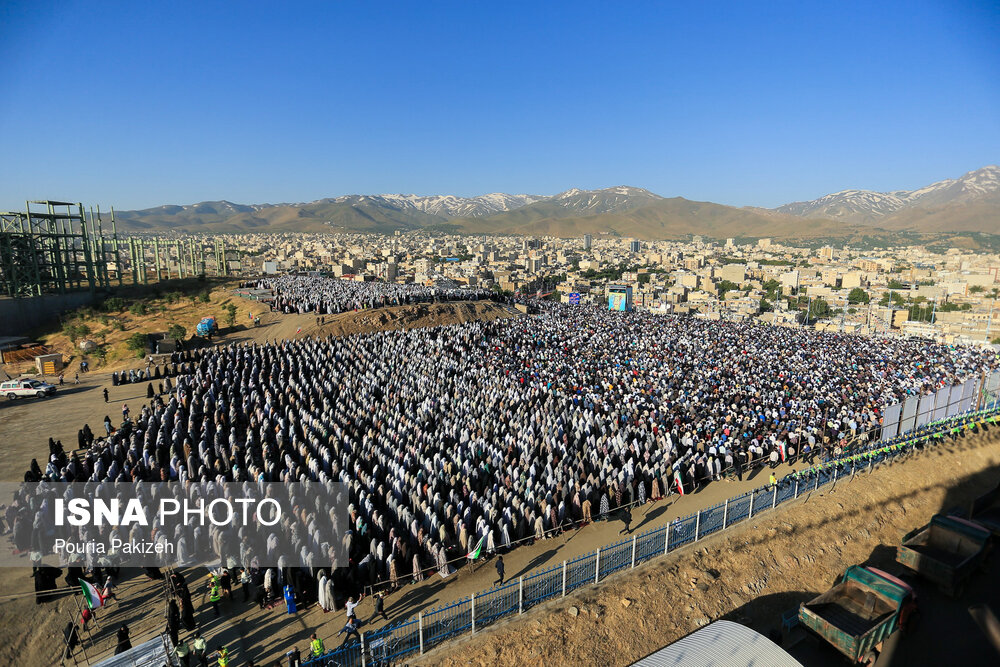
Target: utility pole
x,y
989,320
118,260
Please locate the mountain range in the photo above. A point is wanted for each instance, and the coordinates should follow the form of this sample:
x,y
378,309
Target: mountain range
x,y
970,203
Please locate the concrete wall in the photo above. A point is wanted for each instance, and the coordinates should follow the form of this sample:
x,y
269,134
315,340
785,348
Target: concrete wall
x,y
19,316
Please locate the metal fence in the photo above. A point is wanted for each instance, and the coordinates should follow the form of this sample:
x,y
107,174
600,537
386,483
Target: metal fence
x,y
394,642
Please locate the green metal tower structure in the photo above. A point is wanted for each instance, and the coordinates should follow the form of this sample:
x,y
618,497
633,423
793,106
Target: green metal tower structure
x,y
47,249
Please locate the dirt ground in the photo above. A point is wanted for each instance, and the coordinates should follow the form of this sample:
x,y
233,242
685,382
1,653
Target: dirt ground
x,y
766,567
752,562
34,631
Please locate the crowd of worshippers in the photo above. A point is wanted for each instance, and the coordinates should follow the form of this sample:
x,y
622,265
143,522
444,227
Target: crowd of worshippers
x,y
326,296
508,430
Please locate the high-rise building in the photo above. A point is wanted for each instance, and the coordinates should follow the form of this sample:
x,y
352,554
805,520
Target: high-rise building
x,y
588,241
635,246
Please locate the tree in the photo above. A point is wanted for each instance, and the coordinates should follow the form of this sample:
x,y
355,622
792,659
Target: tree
x,y
818,308
176,332
976,289
230,314
138,343
204,297
895,284
858,295
114,304
766,306
725,286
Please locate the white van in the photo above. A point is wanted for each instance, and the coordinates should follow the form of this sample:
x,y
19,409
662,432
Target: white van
x,y
26,387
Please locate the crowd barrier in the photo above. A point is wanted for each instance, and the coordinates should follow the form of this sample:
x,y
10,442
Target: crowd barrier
x,y
431,627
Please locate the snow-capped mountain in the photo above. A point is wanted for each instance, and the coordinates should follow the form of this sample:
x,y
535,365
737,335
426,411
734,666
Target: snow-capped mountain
x,y
608,200
867,205
972,186
448,206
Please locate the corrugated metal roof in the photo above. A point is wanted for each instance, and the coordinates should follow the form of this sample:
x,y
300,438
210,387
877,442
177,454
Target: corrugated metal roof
x,y
721,644
153,653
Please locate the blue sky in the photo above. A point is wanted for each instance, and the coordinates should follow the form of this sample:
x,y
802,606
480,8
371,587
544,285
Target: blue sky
x,y
138,104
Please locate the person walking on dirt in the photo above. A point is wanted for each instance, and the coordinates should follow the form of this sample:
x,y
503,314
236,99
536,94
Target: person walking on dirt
x,y
499,581
124,643
351,629
105,394
124,412
200,649
627,520
379,607
183,652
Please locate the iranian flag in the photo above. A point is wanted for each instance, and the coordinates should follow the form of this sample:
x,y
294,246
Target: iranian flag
x,y
94,599
474,554
680,482
781,450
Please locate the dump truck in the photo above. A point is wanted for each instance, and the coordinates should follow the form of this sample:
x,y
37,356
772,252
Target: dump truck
x,y
207,327
946,551
864,607
985,510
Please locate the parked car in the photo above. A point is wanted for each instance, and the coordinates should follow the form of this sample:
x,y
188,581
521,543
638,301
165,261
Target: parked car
x,y
25,387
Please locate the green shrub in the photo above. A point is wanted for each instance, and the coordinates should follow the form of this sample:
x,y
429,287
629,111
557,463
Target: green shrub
x,y
138,343
115,304
176,332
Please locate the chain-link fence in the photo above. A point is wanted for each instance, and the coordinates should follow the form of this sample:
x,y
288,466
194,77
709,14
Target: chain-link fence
x,y
392,643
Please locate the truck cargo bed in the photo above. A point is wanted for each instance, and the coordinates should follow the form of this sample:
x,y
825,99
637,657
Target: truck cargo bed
x,y
851,609
944,544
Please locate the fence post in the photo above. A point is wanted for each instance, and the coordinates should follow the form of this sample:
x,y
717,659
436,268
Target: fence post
x,y
750,516
597,567
725,513
871,460
472,601
362,649
774,499
420,630
564,579
666,539
633,550
834,476
796,488
817,481
520,595
697,525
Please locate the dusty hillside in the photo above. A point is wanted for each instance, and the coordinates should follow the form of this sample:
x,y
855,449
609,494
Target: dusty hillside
x,y
750,576
111,322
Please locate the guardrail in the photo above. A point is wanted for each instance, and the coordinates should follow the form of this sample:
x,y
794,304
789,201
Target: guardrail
x,y
393,642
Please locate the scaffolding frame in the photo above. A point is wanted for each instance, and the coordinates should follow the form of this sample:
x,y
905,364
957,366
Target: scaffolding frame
x,y
48,251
